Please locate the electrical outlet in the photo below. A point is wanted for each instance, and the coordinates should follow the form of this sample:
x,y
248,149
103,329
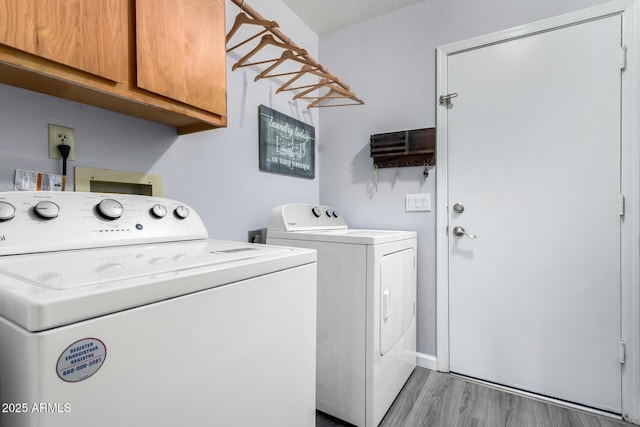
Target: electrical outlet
x,y
258,236
61,135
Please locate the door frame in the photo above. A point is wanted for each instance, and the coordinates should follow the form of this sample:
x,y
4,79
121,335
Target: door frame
x,y
630,182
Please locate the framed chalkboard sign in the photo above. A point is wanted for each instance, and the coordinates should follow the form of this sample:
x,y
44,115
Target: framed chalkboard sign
x,y
287,145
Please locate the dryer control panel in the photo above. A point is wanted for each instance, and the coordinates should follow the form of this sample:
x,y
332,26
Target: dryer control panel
x,y
303,217
37,221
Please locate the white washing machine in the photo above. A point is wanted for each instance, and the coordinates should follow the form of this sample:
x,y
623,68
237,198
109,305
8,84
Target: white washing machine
x,y
366,332
117,310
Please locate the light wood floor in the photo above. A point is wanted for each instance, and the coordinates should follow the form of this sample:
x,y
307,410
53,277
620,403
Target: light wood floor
x,y
434,399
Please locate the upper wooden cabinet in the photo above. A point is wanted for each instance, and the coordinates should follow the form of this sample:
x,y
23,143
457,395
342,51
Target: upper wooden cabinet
x,y
89,35
163,60
181,51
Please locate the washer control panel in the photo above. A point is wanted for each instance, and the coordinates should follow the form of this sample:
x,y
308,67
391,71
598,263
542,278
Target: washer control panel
x,y
303,217
32,222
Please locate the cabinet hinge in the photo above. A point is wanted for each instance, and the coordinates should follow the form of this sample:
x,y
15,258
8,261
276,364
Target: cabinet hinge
x,y
621,204
623,58
446,230
623,352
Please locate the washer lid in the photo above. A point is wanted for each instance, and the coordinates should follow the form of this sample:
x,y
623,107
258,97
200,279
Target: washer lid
x,y
352,236
41,291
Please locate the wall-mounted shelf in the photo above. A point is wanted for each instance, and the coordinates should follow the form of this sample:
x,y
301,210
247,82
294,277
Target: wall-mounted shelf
x,y
404,148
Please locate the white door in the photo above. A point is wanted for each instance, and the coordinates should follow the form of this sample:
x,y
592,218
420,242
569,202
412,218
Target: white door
x,y
534,158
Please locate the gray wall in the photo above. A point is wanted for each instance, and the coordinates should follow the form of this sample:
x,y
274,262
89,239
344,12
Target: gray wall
x,y
215,171
390,63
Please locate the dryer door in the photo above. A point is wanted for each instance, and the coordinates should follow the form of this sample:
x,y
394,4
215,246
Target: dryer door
x,y
397,279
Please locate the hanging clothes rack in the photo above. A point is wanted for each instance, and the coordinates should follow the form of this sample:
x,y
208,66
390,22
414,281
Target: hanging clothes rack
x,y
328,88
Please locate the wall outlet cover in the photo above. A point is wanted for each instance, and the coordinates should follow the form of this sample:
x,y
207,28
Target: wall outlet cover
x,y
61,135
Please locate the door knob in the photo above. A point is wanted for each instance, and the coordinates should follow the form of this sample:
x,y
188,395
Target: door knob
x,y
458,208
459,231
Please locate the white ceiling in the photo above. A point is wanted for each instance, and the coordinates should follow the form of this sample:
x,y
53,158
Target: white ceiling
x,y
324,16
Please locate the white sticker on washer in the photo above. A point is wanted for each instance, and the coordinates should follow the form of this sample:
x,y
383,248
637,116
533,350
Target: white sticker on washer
x,y
81,359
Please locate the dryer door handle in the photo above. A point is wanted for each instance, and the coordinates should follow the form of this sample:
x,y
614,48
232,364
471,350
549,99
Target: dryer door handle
x,y
386,304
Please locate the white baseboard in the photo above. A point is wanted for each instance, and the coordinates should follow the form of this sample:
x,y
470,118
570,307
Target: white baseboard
x,y
427,361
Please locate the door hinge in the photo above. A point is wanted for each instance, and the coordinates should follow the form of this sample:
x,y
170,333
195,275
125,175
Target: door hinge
x,y
623,353
446,99
446,230
623,58
621,205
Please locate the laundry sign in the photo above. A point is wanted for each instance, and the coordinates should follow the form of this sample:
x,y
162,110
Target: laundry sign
x,y
287,145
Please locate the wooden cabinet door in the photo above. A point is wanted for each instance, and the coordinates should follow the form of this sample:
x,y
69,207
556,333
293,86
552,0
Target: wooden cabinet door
x,y
89,35
181,51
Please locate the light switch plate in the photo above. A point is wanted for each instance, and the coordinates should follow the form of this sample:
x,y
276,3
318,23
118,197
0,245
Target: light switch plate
x,y
418,202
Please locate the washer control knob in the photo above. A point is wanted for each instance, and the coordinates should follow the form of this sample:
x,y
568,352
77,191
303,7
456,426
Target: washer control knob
x,y
110,209
7,211
181,212
331,213
158,211
46,209
316,211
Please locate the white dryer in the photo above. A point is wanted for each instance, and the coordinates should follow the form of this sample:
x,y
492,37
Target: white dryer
x,y
366,319
117,310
